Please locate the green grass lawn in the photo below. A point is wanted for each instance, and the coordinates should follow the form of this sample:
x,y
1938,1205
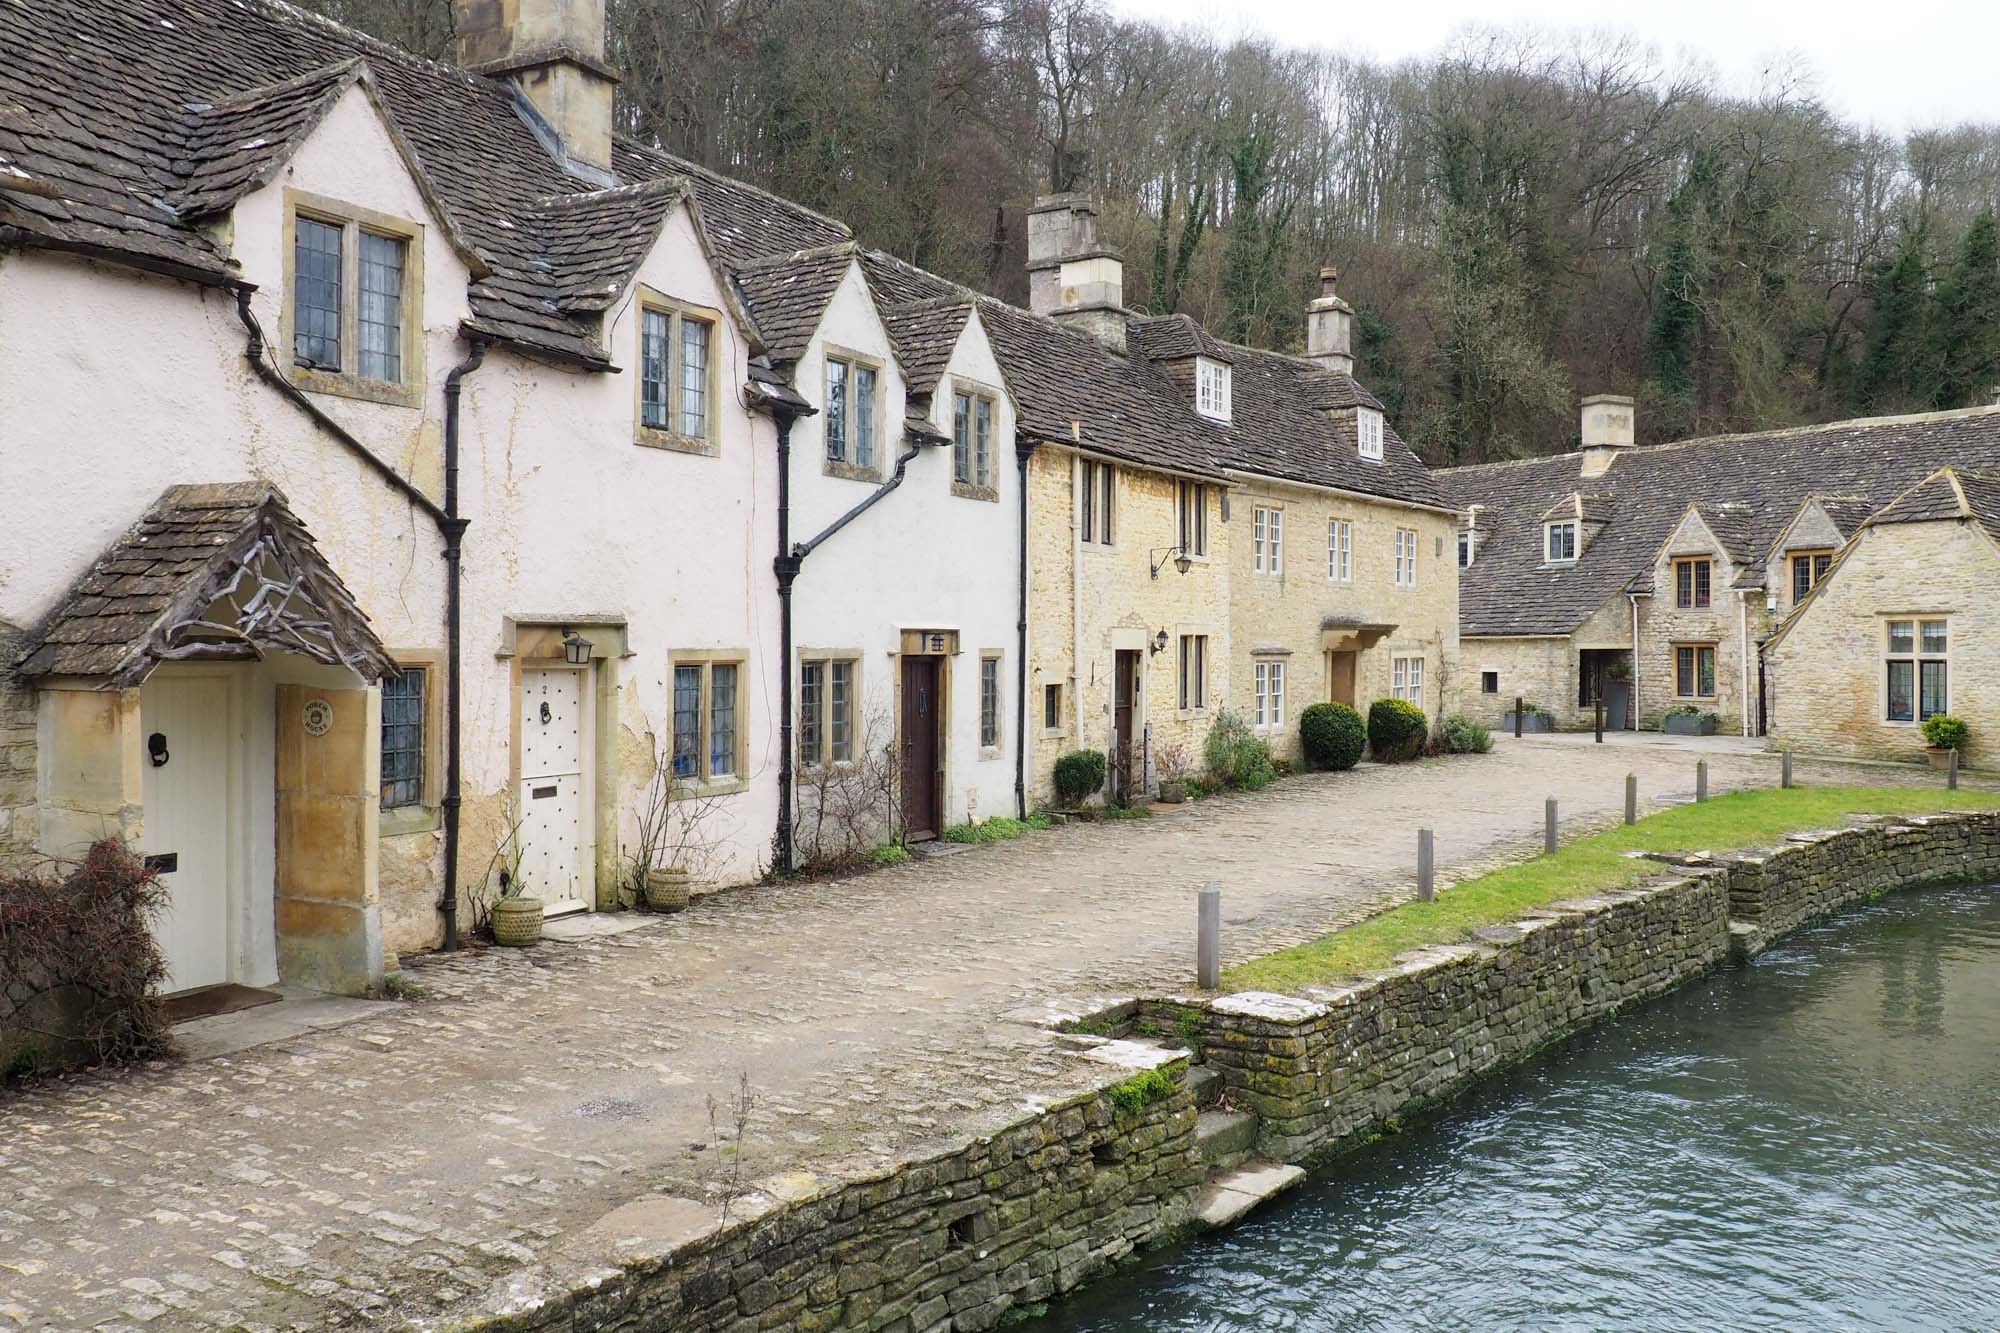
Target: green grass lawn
x,y
1589,865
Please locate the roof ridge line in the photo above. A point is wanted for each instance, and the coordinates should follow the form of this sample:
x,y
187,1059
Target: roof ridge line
x,y
689,167
828,251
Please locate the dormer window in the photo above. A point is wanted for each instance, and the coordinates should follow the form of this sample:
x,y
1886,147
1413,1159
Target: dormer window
x,y
1211,389
1368,433
1464,549
1560,543
353,315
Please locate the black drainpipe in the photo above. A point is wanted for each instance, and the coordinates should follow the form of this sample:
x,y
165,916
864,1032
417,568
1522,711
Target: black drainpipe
x,y
448,523
454,536
1023,450
790,559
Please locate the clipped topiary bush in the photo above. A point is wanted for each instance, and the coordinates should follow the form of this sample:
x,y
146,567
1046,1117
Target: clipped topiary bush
x,y
1332,736
1396,730
1459,734
1942,731
1078,774
1237,756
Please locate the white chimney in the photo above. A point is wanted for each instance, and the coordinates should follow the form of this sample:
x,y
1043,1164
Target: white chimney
x,y
1330,327
553,51
1072,276
1607,431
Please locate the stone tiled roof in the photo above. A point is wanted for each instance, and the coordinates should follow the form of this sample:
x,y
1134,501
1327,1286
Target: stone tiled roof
x,y
787,295
1948,495
210,571
591,244
237,144
1175,337
1291,419
925,332
1764,478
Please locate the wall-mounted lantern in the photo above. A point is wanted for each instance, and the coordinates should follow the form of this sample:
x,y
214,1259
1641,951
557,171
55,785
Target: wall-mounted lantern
x,y
1160,642
1159,555
576,648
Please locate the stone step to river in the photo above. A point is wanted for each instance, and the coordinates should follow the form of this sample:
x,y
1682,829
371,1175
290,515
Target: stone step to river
x,y
1230,1194
1225,1138
1204,1085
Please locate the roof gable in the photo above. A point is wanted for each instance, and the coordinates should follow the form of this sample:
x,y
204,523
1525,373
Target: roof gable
x,y
787,296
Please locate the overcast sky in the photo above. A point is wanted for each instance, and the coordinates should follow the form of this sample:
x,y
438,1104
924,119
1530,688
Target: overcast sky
x,y
1901,65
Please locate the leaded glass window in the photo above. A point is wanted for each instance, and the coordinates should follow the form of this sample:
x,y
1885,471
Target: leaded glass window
x,y
687,721
654,329
403,738
722,720
381,307
316,295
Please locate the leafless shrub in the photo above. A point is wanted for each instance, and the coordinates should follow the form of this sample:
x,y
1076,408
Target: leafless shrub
x,y
728,1131
847,808
675,830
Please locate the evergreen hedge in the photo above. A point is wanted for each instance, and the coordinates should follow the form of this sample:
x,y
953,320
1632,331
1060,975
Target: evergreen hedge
x,y
1332,736
1396,730
1078,774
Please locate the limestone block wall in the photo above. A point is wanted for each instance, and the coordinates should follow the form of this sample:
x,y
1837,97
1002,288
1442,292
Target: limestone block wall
x,y
1540,671
1074,643
1663,626
954,1240
1281,616
1826,675
17,756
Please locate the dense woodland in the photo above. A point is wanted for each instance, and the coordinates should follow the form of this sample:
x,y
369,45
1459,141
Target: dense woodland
x,y
1518,220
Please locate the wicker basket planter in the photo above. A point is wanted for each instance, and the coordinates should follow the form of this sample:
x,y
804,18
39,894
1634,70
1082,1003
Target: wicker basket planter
x,y
517,921
667,890
1172,791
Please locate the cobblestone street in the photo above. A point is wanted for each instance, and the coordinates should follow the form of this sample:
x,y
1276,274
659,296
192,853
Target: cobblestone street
x,y
401,1164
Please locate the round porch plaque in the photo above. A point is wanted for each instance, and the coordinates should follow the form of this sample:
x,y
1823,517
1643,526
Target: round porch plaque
x,y
318,717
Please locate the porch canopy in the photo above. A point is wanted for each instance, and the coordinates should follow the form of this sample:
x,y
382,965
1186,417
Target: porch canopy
x,y
1351,634
219,572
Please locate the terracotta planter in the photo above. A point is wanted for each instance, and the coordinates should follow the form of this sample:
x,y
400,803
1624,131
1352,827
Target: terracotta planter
x,y
517,921
1940,757
667,890
1173,792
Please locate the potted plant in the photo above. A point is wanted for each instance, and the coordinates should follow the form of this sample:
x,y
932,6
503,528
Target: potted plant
x,y
657,866
1688,720
1944,733
516,915
1170,762
1534,718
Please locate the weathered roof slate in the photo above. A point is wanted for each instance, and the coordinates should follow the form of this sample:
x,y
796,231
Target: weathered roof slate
x,y
154,595
787,295
925,334
1510,590
235,145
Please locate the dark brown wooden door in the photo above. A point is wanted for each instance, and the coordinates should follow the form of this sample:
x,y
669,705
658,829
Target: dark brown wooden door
x,y
1340,679
1124,719
921,732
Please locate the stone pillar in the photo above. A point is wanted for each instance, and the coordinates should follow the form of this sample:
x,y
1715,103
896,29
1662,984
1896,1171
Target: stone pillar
x,y
91,752
329,914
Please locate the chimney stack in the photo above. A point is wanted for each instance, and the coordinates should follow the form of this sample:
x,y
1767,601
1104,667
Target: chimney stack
x,y
1330,327
1072,277
1607,431
553,51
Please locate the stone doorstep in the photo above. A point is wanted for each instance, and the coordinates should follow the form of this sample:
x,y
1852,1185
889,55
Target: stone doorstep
x,y
1225,1138
1204,1086
1227,1197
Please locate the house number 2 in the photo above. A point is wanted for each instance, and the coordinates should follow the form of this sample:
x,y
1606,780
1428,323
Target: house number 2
x,y
318,717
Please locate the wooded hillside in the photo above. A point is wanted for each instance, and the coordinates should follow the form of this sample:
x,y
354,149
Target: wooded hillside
x,y
1518,220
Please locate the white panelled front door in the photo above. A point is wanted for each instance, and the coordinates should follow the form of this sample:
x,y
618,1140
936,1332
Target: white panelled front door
x,y
557,849
187,821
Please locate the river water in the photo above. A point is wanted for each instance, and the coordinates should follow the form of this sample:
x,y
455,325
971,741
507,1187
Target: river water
x,y
1810,1142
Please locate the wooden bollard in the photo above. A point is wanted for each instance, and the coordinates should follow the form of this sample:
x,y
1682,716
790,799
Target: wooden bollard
x,y
1549,825
1208,937
1701,779
1951,770
1600,721
1519,704
1631,798
1426,865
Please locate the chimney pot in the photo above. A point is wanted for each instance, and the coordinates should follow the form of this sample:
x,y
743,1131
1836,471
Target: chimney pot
x,y
553,51
1330,326
1608,427
1072,276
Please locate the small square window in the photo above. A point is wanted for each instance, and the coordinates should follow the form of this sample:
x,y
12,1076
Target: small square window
x,y
1561,545
1489,682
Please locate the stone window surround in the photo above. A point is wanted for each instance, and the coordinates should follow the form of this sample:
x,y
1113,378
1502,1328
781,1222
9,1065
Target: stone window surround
x,y
1267,539
1494,674
1184,490
1339,549
1406,538
826,656
1412,690
1095,502
1060,727
1272,664
1917,657
423,815
1570,544
1182,634
1817,562
975,391
708,659
1694,563
1715,662
846,468
999,747
352,220
705,446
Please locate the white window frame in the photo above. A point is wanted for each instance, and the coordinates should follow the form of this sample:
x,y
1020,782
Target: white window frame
x,y
1268,679
1368,429
1211,388
1406,557
1193,672
1267,539
1191,504
1096,501
1406,678
1340,550
1916,657
1567,528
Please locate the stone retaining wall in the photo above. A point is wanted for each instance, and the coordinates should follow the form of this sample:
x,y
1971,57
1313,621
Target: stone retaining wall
x,y
1339,1063
948,1242
956,1240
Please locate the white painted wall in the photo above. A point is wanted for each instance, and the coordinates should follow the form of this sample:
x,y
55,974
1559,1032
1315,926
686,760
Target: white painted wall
x,y
923,558
117,386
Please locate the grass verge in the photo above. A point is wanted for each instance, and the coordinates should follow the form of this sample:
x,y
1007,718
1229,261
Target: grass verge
x,y
1589,865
